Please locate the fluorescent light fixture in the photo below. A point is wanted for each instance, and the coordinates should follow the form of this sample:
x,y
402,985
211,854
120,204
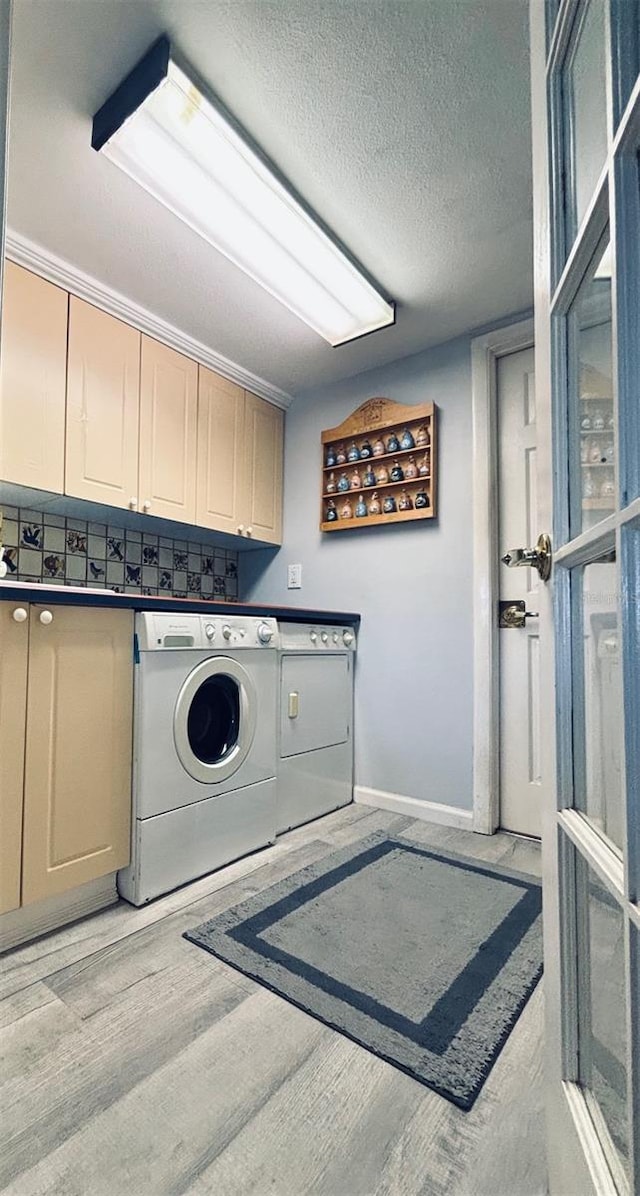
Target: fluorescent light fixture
x,y
188,152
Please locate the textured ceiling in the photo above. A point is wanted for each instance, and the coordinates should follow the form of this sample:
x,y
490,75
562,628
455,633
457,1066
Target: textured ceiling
x,y
404,123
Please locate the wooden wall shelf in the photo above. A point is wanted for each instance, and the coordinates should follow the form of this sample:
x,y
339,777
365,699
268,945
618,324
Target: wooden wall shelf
x,y
377,420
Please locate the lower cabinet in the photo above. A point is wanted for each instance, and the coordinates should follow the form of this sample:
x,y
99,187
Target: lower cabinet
x,y
14,650
75,735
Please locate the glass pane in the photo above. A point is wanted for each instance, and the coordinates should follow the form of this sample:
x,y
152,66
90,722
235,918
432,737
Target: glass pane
x,y
597,710
585,113
591,411
602,1017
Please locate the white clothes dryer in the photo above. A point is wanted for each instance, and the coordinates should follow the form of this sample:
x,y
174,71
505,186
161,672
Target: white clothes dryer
x,y
315,741
204,789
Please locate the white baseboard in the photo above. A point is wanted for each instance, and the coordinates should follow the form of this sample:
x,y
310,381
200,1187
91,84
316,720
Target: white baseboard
x,y
30,921
428,811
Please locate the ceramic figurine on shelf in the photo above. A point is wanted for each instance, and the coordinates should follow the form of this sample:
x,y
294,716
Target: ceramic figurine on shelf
x,y
585,422
361,508
382,475
378,448
365,450
422,499
369,478
374,504
397,473
331,484
341,456
411,469
594,452
405,502
346,510
608,450
423,467
343,483
393,444
607,489
598,422
331,456
355,481
389,504
422,437
588,484
331,514
585,446
354,452
406,440
610,421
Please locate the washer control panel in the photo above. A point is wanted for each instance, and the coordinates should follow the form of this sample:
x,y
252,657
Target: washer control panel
x,y
300,637
159,632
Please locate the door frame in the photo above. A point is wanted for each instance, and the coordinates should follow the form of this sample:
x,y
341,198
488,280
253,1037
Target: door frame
x,y
485,352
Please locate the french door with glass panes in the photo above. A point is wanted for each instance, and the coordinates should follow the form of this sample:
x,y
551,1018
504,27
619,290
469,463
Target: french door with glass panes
x,y
586,150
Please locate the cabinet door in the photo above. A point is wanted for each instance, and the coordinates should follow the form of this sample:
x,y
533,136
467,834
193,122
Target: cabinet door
x,y
77,786
32,390
221,453
168,429
102,407
14,646
264,437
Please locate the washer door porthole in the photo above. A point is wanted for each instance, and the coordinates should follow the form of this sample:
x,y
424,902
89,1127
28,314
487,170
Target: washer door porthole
x,y
215,720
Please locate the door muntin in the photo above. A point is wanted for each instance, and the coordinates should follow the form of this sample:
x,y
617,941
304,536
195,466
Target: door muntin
x,y
214,721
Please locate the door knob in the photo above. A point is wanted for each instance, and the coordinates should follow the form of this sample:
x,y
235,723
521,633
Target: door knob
x,y
538,558
146,506
46,617
20,614
133,502
240,528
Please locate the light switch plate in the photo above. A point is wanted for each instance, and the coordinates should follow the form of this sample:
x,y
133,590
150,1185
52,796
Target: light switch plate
x,y
294,577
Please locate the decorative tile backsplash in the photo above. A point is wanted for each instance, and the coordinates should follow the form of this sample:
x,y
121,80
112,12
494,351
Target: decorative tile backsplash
x,y
58,550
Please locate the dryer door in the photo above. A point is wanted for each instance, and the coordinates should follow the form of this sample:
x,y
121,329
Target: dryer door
x,y
315,702
215,719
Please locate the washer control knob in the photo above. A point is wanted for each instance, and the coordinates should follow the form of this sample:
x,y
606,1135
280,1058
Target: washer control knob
x,y
324,637
20,615
209,630
335,637
226,631
46,617
347,638
265,633
313,635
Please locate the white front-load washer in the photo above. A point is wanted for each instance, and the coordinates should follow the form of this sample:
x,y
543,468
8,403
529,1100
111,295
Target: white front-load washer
x,y
204,789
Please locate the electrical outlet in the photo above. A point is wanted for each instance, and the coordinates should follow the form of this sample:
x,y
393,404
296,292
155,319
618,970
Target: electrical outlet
x,y
294,577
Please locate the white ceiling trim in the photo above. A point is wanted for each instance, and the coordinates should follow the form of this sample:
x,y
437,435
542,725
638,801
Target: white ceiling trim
x,y
33,257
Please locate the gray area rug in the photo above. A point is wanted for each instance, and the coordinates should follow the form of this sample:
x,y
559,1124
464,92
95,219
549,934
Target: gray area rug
x,y
425,958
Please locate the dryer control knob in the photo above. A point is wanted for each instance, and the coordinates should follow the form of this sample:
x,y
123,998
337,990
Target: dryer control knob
x,y
324,637
313,635
335,637
347,638
265,634
209,630
226,631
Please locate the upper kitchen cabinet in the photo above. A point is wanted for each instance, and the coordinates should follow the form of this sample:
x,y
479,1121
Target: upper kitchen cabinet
x,y
168,431
32,388
264,436
221,474
103,390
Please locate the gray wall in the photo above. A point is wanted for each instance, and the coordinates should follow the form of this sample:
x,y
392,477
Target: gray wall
x,y
412,583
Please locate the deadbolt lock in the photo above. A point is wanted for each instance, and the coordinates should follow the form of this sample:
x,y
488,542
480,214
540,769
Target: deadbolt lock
x,y
514,614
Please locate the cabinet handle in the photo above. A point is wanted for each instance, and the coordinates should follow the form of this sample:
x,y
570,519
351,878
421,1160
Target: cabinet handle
x,y
46,617
146,506
249,531
133,502
240,528
20,615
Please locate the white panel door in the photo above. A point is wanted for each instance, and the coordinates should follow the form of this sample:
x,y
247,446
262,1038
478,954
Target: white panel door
x,y
520,753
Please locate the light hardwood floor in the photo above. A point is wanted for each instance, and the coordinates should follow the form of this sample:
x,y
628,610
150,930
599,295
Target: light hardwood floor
x,y
131,1062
